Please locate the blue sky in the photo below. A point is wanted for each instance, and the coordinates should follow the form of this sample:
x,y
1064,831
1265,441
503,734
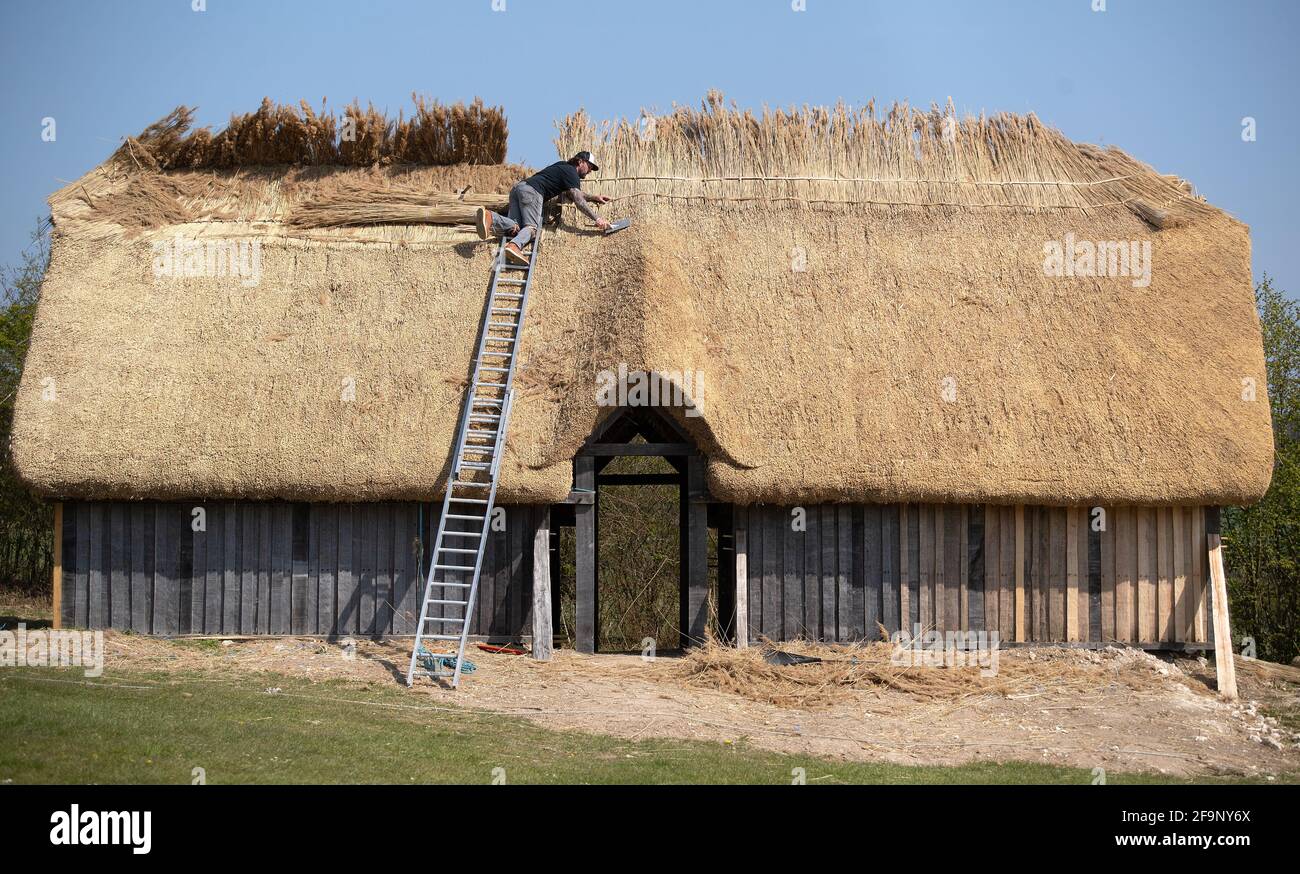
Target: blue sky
x,y
1168,81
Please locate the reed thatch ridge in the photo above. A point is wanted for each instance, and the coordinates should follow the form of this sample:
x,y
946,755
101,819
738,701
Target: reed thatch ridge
x,y
434,135
866,298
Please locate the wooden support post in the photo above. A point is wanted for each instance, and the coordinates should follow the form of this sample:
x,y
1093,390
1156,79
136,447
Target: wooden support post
x,y
585,620
1224,668
1072,516
742,589
695,555
58,565
542,634
1020,572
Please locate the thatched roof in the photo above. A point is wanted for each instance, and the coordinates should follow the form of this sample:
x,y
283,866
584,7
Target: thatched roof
x,y
920,353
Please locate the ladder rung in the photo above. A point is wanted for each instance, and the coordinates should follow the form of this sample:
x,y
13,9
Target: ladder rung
x,y
453,567
441,637
444,601
479,433
494,369
471,518
492,384
508,266
452,585
503,324
512,310
443,619
457,549
502,354
479,400
499,339
475,465
478,417
463,533
469,500
511,282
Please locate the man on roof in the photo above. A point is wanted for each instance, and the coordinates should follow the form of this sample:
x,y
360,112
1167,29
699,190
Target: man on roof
x,y
524,217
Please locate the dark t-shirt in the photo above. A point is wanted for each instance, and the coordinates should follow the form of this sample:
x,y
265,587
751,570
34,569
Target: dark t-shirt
x,y
555,179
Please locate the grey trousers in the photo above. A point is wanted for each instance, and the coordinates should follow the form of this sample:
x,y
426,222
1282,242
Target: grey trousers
x,y
523,217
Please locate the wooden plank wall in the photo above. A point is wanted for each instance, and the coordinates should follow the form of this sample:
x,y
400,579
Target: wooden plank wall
x,y
276,568
855,572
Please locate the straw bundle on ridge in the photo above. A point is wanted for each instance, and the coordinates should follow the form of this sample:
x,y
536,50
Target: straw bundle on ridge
x,y
435,135
842,154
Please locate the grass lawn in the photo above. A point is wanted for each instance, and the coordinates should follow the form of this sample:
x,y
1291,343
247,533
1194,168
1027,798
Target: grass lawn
x,y
60,727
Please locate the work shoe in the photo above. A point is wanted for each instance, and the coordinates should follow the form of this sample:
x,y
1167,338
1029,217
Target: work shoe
x,y
515,255
483,222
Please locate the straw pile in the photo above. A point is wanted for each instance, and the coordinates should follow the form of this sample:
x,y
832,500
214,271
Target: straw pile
x,y
848,670
435,135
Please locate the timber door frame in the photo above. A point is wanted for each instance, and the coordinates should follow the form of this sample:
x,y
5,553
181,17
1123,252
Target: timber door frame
x,y
667,440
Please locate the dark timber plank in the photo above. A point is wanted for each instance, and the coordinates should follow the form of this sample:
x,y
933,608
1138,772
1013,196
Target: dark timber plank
x,y
328,564
200,523
889,600
384,568
977,568
1146,571
826,571
281,566
1093,557
1056,545
953,560
873,570
812,570
214,579
81,598
792,579
248,534
119,573
347,600
914,586
299,548
311,620
405,597
1007,572
141,522
265,534
231,582
857,571
587,610
926,545
848,619
777,523
366,536
754,567
169,528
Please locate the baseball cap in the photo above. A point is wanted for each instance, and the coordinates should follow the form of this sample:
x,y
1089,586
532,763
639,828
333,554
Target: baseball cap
x,y
586,156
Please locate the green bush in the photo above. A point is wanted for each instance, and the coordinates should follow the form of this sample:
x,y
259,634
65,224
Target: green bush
x,y
25,538
1262,542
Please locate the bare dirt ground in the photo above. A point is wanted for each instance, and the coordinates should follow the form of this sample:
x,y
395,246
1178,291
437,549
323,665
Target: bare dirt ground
x,y
1117,709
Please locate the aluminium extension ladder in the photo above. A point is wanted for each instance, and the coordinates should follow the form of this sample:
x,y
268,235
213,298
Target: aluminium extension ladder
x,y
451,584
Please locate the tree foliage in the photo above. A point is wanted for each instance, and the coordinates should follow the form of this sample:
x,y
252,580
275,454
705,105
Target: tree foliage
x,y
1262,542
25,540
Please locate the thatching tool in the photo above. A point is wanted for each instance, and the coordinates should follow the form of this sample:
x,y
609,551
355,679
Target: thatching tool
x,y
617,226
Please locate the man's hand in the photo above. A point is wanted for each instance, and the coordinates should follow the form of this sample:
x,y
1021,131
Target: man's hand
x,y
599,198
601,224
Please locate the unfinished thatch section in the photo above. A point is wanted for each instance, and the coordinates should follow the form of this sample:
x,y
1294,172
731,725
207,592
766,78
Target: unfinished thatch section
x,y
865,296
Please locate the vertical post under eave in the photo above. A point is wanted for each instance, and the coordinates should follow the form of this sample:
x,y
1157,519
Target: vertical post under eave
x,y
742,589
58,564
584,516
696,555
1020,572
1224,667
542,633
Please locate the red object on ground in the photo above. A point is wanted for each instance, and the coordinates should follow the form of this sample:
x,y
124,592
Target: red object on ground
x,y
504,650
